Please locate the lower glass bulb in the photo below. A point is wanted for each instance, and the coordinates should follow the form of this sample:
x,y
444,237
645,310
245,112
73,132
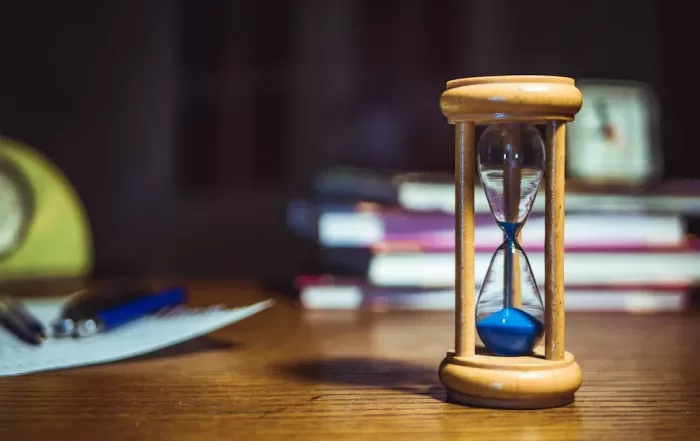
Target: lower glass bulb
x,y
509,310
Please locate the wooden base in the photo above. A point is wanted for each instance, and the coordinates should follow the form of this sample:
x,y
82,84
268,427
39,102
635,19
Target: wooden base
x,y
531,382
456,397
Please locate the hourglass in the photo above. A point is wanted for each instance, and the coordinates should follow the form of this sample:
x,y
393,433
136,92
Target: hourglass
x,y
509,342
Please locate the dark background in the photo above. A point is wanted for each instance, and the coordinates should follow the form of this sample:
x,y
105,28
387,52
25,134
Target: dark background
x,y
185,125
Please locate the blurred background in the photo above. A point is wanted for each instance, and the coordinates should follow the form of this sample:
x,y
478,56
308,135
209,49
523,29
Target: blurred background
x,y
187,127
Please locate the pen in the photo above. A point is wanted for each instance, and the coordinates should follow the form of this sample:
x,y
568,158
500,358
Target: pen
x,y
128,311
27,317
85,304
17,319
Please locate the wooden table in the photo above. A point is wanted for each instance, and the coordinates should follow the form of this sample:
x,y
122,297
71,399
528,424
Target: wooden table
x,y
284,374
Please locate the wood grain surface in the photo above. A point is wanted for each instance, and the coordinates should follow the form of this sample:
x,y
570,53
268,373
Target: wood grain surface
x,y
292,375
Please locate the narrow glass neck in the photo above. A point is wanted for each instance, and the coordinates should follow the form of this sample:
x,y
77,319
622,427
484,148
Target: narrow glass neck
x,y
510,247
511,230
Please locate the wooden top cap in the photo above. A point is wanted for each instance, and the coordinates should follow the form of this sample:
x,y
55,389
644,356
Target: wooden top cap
x,y
533,98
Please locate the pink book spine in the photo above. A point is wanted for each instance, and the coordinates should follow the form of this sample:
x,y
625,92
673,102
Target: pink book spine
x,y
443,243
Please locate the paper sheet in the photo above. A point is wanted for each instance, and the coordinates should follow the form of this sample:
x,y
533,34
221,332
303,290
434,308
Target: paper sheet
x,y
139,337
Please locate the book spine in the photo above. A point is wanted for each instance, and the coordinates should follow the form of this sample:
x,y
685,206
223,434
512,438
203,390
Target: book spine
x,y
629,302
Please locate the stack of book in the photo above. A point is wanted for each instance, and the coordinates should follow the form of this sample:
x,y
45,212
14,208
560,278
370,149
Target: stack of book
x,y
387,242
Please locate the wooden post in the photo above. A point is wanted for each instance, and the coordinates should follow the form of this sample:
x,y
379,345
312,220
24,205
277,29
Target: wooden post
x,y
512,175
517,279
465,327
554,240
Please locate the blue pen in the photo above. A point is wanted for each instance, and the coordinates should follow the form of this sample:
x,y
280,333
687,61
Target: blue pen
x,y
131,310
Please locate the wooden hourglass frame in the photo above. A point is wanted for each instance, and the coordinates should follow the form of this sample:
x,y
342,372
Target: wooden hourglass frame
x,y
549,376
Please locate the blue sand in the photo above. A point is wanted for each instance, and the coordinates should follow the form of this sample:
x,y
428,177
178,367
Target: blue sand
x,y
510,332
510,228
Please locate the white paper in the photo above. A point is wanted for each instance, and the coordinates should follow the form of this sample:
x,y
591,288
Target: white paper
x,y
139,337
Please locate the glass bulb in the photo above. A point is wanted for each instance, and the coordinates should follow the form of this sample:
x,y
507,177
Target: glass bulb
x,y
511,155
509,310
510,323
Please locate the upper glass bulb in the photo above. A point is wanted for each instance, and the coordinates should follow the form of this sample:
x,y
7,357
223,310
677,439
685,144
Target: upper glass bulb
x,y
510,159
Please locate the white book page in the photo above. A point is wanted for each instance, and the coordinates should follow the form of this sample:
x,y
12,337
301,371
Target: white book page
x,y
142,336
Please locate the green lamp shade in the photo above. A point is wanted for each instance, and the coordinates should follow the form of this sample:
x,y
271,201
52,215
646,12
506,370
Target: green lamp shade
x,y
54,240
